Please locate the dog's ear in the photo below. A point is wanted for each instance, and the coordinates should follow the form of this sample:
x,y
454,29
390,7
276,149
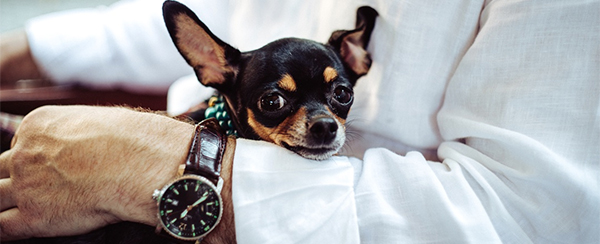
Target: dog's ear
x,y
214,61
352,44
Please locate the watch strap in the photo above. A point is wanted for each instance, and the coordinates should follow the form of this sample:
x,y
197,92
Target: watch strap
x,y
207,150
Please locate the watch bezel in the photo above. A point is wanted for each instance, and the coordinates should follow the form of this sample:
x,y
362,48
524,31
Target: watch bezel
x,y
192,177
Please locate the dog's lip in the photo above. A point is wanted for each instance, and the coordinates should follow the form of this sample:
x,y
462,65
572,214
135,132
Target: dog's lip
x,y
308,148
317,153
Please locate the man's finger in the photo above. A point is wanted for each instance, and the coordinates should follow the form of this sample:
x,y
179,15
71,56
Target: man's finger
x,y
13,226
4,164
6,200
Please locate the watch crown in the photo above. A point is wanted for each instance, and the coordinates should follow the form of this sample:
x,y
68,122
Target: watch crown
x,y
156,194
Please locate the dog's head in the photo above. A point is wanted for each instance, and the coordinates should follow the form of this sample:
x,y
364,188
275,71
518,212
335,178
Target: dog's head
x,y
293,92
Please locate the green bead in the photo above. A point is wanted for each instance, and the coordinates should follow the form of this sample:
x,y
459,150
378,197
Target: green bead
x,y
219,106
210,112
231,132
223,124
222,115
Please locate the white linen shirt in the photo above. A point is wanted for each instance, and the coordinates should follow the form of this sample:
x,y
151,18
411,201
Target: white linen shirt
x,y
479,121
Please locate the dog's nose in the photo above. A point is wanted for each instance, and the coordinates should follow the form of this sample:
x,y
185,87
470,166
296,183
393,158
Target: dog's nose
x,y
323,130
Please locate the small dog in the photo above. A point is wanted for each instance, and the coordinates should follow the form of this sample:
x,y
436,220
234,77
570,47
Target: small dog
x,y
293,92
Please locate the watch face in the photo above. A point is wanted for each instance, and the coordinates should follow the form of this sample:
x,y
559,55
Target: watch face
x,y
190,207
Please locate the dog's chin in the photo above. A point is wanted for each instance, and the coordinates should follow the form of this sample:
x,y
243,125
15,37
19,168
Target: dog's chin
x,y
314,153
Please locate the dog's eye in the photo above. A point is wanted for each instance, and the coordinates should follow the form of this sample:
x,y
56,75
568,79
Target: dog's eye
x,y
343,95
272,102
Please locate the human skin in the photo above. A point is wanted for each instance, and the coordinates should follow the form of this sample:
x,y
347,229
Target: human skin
x,y
73,169
16,61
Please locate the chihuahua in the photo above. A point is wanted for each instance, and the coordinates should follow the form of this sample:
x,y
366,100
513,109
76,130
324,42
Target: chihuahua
x,y
293,92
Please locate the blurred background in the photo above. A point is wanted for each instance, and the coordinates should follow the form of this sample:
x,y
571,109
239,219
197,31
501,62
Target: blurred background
x,y
14,13
27,95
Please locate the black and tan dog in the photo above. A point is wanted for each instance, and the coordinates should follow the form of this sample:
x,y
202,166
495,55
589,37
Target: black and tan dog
x,y
293,92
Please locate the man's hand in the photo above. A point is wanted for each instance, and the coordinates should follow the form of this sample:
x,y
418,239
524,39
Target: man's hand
x,y
74,169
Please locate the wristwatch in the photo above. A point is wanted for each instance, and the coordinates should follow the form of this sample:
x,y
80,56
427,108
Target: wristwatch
x,y
190,206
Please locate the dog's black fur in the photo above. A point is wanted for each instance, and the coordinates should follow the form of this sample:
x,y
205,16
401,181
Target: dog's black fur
x,y
293,92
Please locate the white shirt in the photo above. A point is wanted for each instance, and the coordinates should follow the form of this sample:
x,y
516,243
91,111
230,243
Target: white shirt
x,y
502,97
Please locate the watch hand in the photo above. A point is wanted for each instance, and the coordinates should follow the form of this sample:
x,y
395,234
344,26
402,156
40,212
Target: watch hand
x,y
201,199
169,213
184,213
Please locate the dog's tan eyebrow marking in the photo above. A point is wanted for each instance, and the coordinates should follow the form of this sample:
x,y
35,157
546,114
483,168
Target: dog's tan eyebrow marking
x,y
329,74
287,83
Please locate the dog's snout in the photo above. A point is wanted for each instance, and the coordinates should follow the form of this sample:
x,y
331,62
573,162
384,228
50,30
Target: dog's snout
x,y
323,130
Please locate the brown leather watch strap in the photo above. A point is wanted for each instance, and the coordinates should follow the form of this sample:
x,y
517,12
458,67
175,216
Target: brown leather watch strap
x,y
206,152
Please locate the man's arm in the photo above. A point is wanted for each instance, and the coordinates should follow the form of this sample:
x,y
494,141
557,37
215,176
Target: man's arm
x,y
16,61
131,52
82,168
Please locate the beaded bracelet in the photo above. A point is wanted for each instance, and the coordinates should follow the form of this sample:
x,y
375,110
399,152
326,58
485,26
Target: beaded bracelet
x,y
216,109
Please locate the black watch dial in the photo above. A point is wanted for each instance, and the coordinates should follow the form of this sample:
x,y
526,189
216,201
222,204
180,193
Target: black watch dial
x,y
190,207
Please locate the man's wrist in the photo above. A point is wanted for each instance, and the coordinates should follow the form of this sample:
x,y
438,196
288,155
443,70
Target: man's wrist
x,y
224,232
162,167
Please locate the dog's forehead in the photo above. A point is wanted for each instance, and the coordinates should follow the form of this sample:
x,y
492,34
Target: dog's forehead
x,y
294,62
296,49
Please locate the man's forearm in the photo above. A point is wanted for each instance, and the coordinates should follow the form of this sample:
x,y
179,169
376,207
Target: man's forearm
x,y
103,163
16,61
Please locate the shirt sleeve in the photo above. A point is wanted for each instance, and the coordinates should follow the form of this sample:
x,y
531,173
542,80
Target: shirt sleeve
x,y
123,45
